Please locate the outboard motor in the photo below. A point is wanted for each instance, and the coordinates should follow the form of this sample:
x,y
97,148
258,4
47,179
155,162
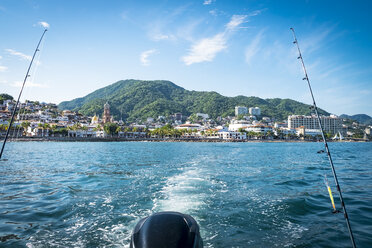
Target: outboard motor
x,y
166,230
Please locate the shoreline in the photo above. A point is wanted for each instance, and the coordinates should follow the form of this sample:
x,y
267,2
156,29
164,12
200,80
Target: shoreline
x,y
116,139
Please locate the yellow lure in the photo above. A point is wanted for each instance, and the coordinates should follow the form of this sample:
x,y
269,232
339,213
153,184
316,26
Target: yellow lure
x,y
331,196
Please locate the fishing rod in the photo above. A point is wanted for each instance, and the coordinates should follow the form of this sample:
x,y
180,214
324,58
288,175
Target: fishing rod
x,y
326,145
20,93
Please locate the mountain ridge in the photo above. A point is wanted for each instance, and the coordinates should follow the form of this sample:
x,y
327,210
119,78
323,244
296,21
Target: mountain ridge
x,y
139,99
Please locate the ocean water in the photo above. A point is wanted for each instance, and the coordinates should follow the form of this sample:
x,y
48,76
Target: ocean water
x,y
241,194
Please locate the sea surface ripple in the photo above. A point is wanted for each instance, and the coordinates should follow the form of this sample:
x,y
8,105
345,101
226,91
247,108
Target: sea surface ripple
x,y
241,194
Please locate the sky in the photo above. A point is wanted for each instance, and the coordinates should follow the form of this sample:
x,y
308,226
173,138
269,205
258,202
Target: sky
x,y
232,47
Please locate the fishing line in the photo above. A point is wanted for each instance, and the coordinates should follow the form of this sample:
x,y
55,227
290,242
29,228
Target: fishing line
x,y
326,146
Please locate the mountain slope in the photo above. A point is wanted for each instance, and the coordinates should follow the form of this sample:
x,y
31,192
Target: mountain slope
x,y
361,118
137,99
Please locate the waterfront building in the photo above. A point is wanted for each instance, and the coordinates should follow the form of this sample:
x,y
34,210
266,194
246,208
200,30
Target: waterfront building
x,y
259,128
330,124
285,131
82,133
240,110
228,135
255,111
280,124
235,125
303,131
189,126
106,113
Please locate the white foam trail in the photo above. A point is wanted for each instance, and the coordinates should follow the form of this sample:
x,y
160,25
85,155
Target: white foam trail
x,y
184,192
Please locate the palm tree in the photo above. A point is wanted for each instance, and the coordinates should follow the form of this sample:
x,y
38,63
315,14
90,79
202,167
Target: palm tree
x,y
99,127
54,129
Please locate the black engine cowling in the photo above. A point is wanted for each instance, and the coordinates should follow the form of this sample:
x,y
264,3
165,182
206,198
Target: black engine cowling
x,y
166,230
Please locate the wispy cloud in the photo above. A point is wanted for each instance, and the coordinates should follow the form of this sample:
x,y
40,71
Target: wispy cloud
x,y
208,2
18,54
3,68
28,85
206,49
253,47
22,56
44,24
144,57
213,12
256,12
160,36
317,39
235,21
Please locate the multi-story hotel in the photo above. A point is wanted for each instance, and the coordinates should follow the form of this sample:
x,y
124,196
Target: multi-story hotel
x,y
239,110
330,124
255,111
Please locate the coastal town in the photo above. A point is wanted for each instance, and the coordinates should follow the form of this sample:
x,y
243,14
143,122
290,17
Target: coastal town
x,y
35,120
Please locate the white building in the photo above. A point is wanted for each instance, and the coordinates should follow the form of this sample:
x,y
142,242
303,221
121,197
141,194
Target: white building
x,y
255,111
285,131
330,124
232,135
235,125
280,124
240,110
266,119
61,118
189,126
259,129
82,133
202,115
311,132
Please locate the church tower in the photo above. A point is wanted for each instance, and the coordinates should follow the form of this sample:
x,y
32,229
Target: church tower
x,y
106,113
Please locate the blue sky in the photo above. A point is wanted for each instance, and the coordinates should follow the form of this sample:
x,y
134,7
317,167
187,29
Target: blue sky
x,y
231,47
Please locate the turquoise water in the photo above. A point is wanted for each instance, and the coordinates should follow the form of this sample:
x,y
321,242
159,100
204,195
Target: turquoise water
x,y
241,194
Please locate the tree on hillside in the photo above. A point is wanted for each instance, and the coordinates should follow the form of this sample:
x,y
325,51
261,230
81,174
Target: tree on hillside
x,y
4,97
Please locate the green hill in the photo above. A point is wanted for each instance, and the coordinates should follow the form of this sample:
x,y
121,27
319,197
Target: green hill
x,y
361,118
137,99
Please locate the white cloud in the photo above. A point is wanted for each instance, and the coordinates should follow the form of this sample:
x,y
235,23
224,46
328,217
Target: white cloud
x,y
3,68
158,37
206,49
144,57
207,2
256,12
235,21
28,84
213,12
253,47
19,54
316,40
1,57
44,24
